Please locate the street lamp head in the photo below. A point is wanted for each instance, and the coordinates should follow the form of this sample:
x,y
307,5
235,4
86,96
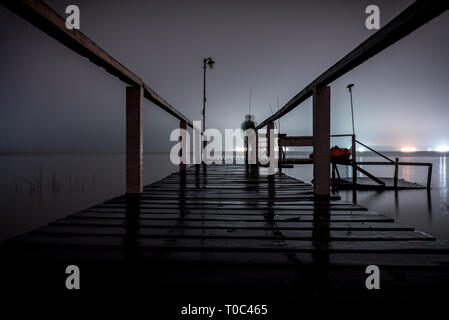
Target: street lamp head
x,y
349,86
210,62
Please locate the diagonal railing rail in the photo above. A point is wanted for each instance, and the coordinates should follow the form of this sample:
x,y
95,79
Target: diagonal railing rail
x,y
413,17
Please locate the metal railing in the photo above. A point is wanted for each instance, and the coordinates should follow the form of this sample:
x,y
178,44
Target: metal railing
x,y
396,163
412,18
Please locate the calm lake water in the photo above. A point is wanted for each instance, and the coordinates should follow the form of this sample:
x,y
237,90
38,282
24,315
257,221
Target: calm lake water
x,y
39,188
426,211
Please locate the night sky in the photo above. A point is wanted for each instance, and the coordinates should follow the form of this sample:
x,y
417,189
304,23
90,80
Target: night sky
x,y
53,100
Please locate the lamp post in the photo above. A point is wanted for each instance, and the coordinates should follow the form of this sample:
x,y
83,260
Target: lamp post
x,y
206,62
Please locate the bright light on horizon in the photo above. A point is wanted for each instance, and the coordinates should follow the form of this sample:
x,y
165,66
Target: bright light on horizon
x,y
443,148
408,149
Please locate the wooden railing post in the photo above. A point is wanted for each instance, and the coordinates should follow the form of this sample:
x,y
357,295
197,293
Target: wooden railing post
x,y
396,173
257,147
270,126
321,141
429,175
183,164
134,139
279,155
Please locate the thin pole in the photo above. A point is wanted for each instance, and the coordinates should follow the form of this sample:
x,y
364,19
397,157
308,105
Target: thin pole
x,y
210,63
354,162
250,98
204,95
352,107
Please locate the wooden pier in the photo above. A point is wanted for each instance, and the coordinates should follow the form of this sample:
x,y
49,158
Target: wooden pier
x,y
230,229
228,233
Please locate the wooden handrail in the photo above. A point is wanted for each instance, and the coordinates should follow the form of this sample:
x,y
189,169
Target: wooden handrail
x,y
46,19
413,17
341,135
295,141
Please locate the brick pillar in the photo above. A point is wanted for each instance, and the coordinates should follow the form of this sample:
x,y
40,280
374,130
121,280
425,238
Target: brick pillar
x,y
321,141
134,139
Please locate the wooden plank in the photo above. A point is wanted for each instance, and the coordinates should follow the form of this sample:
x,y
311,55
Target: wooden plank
x,y
236,234
250,245
211,227
238,207
296,260
389,184
237,217
296,141
204,224
412,18
243,203
221,211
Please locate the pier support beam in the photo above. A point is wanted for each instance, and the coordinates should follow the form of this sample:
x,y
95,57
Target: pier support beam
x,y
183,164
270,126
321,141
134,139
257,147
396,173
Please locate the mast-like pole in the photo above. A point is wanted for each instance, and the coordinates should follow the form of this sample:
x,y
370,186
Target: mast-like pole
x,y
352,107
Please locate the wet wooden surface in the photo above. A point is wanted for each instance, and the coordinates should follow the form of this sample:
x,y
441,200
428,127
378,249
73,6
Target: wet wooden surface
x,y
227,208
226,226
367,183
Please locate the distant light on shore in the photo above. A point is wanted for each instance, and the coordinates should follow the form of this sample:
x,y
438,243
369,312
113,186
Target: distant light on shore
x,y
443,148
408,149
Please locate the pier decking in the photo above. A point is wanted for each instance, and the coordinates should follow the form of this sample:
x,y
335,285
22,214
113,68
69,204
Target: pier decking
x,y
228,231
228,226
364,183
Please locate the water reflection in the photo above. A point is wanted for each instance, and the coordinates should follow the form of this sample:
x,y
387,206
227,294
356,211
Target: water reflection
x,y
425,210
320,254
443,186
69,183
132,227
36,189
